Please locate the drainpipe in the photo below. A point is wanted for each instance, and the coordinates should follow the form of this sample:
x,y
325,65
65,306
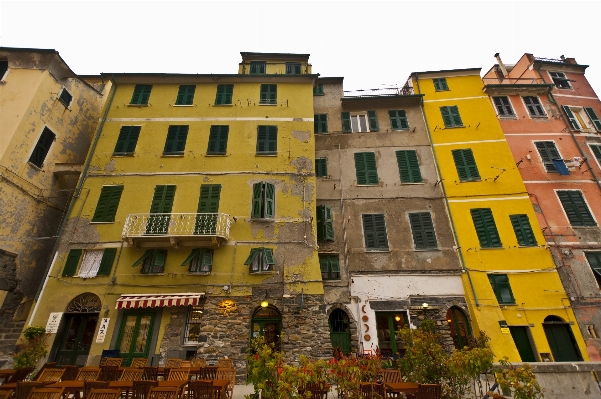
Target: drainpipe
x,y
444,193
75,197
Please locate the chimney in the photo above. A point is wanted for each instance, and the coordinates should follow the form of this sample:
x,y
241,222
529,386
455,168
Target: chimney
x,y
501,65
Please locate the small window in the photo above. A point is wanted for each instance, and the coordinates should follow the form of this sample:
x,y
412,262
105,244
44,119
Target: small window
x,y
97,263
318,90
359,123
330,267
486,229
374,232
398,120
224,94
325,228
185,95
41,149
422,229
594,260
560,80
465,163
594,118
263,202
141,95
258,67
127,140
65,97
108,202
269,95
193,323
176,140
523,230
548,153
365,167
320,123
218,140
3,69
440,84
572,118
267,140
153,261
293,68
534,106
576,208
260,260
200,260
321,167
503,106
451,117
501,288
408,166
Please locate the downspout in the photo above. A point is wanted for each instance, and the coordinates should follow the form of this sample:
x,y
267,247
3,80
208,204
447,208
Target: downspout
x,y
446,199
75,197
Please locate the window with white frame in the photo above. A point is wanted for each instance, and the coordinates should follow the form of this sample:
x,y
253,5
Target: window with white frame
x,y
583,119
560,80
193,323
534,106
503,106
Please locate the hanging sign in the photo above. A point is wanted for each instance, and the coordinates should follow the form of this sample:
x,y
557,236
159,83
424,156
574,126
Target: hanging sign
x,y
104,326
53,321
504,327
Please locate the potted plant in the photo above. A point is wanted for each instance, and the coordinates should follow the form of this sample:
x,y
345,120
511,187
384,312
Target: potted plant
x,y
31,348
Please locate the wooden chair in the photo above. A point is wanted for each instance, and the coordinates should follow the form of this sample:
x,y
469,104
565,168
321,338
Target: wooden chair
x,y
109,373
25,387
142,388
112,361
46,393
51,375
104,394
44,367
89,385
131,374
87,375
391,375
20,375
203,390
150,373
225,363
6,394
162,393
428,391
230,375
208,373
139,362
173,363
316,391
70,373
372,391
199,362
178,374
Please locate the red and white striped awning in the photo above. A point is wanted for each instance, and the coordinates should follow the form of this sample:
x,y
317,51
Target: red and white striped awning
x,y
140,301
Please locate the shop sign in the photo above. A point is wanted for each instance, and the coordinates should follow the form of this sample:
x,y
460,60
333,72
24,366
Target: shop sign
x,y
53,321
504,327
104,326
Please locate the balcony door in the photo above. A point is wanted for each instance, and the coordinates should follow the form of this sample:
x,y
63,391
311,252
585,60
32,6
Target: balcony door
x,y
135,335
162,202
208,206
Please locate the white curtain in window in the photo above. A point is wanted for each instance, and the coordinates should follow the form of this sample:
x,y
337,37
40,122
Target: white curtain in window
x,y
90,264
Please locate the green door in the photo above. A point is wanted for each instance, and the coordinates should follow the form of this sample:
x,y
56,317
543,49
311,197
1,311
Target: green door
x,y
162,202
562,342
459,327
76,338
268,323
388,325
522,342
135,335
208,206
340,331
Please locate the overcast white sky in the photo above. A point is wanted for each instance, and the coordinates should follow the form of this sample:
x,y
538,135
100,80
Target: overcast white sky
x,y
369,43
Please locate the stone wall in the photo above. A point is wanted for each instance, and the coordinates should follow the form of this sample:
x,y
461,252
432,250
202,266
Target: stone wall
x,y
9,330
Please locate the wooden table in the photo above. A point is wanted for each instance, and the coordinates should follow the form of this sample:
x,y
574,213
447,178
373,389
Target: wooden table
x,y
402,387
221,384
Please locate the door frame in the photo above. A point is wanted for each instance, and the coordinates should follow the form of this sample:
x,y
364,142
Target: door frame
x,y
152,355
60,336
530,339
571,336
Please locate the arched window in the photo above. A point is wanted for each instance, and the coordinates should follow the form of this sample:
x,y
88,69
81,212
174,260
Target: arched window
x,y
268,323
460,328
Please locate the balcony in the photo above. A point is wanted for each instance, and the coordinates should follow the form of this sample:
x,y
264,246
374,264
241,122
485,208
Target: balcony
x,y
380,92
513,81
160,230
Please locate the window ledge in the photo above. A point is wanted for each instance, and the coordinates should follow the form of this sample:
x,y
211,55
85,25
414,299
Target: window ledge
x,y
427,249
412,184
491,248
540,116
179,155
198,274
455,127
508,304
272,105
137,105
223,105
191,344
183,105
395,130
215,155
260,154
438,91
368,185
262,219
370,250
528,246
470,181
265,272
92,222
123,154
585,227
35,166
148,274
508,117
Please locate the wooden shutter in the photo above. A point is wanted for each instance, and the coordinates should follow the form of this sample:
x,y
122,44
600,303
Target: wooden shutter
x,y
571,117
268,94
128,138
374,230
162,202
141,94
398,120
594,260
446,116
108,202
106,264
440,84
267,139
408,166
365,166
324,265
224,94
41,149
218,139
320,223
72,262
190,257
158,261
176,139
185,95
346,122
328,224
321,168
465,164
486,229
454,112
501,288
269,206
272,139
321,123
523,230
253,253
576,209
209,198
149,252
422,229
372,117
257,202
548,152
597,152
594,118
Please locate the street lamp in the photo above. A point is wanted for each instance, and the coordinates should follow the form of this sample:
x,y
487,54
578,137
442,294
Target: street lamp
x,y
264,302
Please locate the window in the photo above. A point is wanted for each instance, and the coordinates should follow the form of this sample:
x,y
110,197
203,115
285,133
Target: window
x,y
108,202
269,95
200,260
374,232
321,167
422,229
263,204
218,140
372,117
127,140
594,118
534,106
267,140
560,80
185,95
258,67
260,260
408,166
503,106
176,140
141,94
153,261
359,123
3,69
398,120
325,229
330,267
450,116
486,229
576,209
320,123
224,94
440,84
523,230
208,206
293,68
548,153
193,324
501,288
162,202
594,260
346,122
596,149
41,149
467,170
94,263
365,167
65,97
318,90
572,118
72,262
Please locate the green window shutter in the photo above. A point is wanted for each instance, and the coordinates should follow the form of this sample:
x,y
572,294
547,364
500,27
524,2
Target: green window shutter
x,y
72,262
267,139
108,202
324,264
571,117
318,90
224,94
597,152
374,230
450,116
328,225
269,200
268,94
465,164
158,261
320,123
501,288
268,256
207,257
422,229
41,149
321,168
440,84
253,253
106,264
486,228
127,140
141,94
334,264
365,167
372,117
209,198
320,223
185,95
523,230
594,118
162,201
218,139
293,68
594,260
548,152
149,252
258,67
176,139
576,209
409,166
257,204
398,120
455,115
346,122
192,255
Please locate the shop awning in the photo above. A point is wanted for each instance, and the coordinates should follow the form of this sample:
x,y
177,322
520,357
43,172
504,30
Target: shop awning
x,y
140,301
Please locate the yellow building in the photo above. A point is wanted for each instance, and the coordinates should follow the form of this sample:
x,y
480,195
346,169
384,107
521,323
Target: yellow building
x,y
48,116
511,284
197,206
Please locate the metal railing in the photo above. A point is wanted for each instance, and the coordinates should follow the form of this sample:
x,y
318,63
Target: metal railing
x,y
513,81
177,225
381,92
549,60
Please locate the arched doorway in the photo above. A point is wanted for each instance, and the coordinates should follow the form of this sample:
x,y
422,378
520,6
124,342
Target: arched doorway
x,y
340,331
78,328
459,327
561,340
268,323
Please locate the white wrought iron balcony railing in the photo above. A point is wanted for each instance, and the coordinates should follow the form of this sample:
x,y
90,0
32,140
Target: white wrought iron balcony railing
x,y
178,225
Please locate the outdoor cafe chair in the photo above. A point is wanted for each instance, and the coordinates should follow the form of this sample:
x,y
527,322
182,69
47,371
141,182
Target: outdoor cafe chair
x,y
198,362
46,393
163,393
225,363
316,391
89,385
109,373
150,373
70,373
104,394
20,374
203,390
428,391
139,362
207,373
24,387
142,388
173,363
230,375
51,375
131,374
44,367
178,374
87,375
111,361
372,391
6,394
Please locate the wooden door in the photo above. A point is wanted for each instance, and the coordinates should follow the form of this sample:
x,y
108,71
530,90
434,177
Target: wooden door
x,y
135,335
76,338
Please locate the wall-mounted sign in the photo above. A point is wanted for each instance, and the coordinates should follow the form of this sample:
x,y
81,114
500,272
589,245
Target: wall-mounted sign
x,y
504,327
104,325
227,306
53,321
